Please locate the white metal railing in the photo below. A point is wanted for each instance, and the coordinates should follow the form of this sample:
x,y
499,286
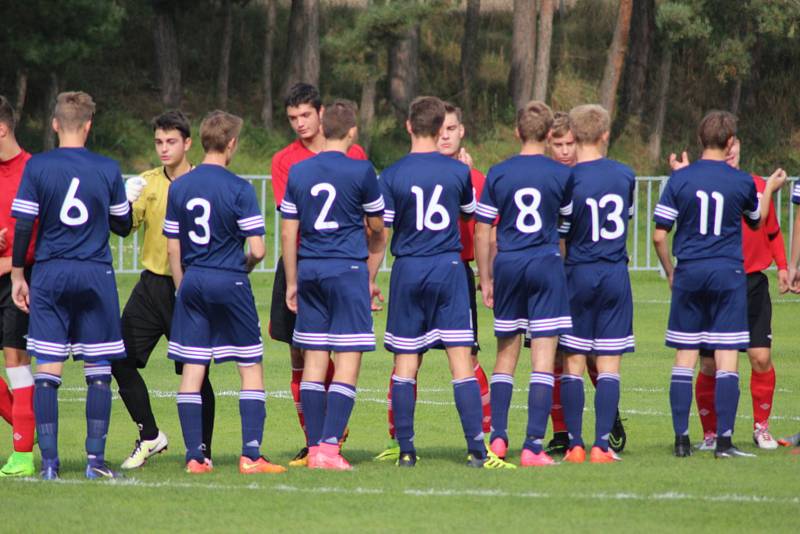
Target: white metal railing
x,y
640,249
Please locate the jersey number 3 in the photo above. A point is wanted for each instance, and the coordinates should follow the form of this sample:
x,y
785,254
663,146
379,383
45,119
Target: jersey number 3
x,y
201,221
72,203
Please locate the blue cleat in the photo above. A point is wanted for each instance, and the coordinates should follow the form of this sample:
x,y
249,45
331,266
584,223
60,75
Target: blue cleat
x,y
49,469
100,471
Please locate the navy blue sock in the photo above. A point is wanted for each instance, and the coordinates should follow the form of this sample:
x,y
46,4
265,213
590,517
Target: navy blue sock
x,y
341,398
540,400
403,403
726,402
190,412
502,387
573,399
253,412
45,408
606,404
98,411
467,393
312,397
680,399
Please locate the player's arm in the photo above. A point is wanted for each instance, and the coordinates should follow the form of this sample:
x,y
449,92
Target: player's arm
x,y
662,251
289,229
119,212
774,183
256,250
174,258
483,256
23,232
376,245
777,248
794,258
5,265
134,187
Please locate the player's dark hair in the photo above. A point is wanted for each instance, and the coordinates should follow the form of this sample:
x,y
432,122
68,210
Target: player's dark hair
x,y
303,93
560,126
534,121
173,120
426,116
7,116
455,110
73,109
716,128
338,119
218,129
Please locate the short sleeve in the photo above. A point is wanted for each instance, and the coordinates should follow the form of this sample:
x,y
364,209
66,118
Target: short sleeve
x,y
249,218
119,206
467,202
26,203
796,193
666,211
388,200
372,200
632,198
280,177
752,204
566,208
486,209
171,226
288,207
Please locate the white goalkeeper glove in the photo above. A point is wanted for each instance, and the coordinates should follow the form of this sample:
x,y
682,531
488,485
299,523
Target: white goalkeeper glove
x,y
134,187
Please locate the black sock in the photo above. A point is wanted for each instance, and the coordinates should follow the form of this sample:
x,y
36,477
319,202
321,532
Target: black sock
x,y
134,394
207,394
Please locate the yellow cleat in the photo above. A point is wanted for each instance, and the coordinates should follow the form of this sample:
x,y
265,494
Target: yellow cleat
x,y
300,459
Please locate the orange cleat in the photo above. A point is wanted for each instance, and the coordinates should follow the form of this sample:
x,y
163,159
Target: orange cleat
x,y
599,456
194,467
531,459
262,465
327,456
575,455
499,447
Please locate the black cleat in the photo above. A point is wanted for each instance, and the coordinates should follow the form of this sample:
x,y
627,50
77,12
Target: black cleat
x,y
732,452
407,459
683,447
559,444
617,439
300,459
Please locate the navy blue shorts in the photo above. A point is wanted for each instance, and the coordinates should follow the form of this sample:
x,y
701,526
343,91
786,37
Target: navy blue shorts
x,y
74,309
530,294
215,318
333,306
428,305
709,307
601,302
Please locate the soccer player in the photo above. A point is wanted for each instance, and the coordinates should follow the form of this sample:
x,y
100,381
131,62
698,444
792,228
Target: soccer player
x,y
304,110
760,248
526,286
72,299
148,314
330,279
449,144
600,295
211,213
425,192
16,402
706,200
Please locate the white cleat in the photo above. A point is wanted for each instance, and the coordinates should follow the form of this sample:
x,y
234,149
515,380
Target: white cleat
x,y
763,438
144,449
709,442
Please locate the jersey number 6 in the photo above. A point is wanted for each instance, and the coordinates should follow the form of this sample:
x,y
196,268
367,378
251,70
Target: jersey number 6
x,y
71,202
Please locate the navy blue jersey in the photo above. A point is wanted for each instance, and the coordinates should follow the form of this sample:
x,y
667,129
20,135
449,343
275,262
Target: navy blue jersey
x,y
212,211
707,199
796,193
73,192
602,203
528,193
330,194
425,193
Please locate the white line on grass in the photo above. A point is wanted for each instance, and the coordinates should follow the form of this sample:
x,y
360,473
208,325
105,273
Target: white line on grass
x,y
426,492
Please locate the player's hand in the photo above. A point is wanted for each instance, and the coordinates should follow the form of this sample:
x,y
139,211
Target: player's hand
x,y
670,277
134,187
19,293
677,164
783,281
3,240
464,157
777,179
794,280
291,298
487,291
375,293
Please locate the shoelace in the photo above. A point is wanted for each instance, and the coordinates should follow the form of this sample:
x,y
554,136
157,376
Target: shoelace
x,y
137,448
763,432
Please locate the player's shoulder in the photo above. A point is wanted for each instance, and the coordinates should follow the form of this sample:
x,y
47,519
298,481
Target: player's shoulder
x,y
154,174
286,156
621,168
760,182
356,151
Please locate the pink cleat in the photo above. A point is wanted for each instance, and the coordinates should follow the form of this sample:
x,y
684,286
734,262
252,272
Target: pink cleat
x,y
326,456
531,459
499,447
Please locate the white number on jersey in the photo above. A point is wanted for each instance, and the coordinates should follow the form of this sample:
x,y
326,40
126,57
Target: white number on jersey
x,y
615,217
719,206
321,223
528,210
71,202
425,216
201,221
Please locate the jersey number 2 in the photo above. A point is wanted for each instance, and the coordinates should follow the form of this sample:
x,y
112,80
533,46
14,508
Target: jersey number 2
x,y
201,221
71,202
321,223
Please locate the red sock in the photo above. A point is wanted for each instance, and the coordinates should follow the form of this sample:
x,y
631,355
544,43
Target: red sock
x,y
24,423
704,395
483,382
390,413
6,401
297,377
762,389
557,411
329,375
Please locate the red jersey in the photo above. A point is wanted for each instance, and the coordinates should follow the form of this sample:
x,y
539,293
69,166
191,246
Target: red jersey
x,y
10,177
467,228
765,244
293,153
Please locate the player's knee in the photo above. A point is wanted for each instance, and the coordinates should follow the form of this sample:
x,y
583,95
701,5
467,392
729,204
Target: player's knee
x,y
98,376
47,381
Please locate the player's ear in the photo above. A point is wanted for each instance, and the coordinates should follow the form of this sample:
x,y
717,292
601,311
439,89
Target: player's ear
x,y
187,144
605,137
408,128
352,133
729,143
86,127
54,125
232,145
516,134
461,131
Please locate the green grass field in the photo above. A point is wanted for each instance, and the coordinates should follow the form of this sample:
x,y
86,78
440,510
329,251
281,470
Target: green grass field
x,y
649,491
